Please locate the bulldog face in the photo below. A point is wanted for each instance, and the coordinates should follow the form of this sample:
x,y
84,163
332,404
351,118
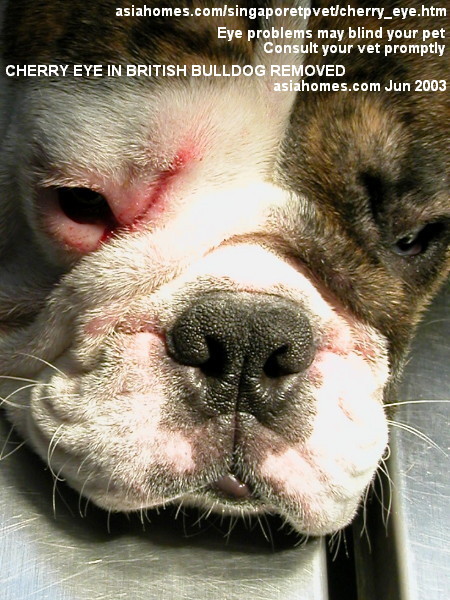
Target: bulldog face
x,y
207,289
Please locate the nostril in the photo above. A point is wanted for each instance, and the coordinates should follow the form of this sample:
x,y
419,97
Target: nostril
x,y
188,347
243,346
292,357
214,366
275,365
225,333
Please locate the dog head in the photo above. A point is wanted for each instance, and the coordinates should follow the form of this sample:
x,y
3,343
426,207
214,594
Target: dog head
x,y
208,290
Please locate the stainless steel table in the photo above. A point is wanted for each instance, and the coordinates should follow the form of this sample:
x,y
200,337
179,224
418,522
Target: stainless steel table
x,y
48,551
413,561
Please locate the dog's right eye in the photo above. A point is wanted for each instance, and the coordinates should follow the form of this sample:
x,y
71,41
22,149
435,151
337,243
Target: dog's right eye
x,y
84,205
79,219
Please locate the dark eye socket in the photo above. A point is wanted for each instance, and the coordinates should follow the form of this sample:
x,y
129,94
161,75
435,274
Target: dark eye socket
x,y
417,241
84,205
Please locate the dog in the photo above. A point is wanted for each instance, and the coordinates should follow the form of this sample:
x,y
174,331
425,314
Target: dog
x,y
208,288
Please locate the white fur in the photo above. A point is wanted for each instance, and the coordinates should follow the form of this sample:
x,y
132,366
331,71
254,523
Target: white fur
x,y
99,417
101,401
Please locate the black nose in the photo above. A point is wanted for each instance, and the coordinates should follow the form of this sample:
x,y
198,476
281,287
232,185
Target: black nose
x,y
244,345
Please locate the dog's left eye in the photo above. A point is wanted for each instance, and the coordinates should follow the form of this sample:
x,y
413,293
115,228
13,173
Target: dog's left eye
x,y
418,240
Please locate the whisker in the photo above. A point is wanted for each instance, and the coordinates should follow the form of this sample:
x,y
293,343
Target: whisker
x,y
430,401
51,449
364,528
302,539
42,360
434,322
335,544
345,543
422,436
386,454
81,465
4,401
61,496
22,406
81,497
266,533
56,480
147,516
26,379
18,447
383,468
386,509
3,456
20,389
179,509
342,543
53,396
86,506
142,517
207,512
332,540
110,480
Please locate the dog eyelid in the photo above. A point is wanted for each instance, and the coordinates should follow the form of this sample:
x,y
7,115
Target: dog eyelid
x,y
417,241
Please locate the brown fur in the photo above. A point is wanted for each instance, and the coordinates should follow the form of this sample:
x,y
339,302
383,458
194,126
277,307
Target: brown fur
x,y
90,32
380,160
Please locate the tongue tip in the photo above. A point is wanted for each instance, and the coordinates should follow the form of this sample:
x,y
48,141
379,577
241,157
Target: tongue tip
x,y
232,487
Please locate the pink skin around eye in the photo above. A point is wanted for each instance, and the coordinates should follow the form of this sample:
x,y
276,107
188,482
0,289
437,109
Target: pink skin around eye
x,y
79,237
130,206
144,204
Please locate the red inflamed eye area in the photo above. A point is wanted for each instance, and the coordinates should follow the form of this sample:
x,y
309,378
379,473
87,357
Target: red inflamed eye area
x,y
79,219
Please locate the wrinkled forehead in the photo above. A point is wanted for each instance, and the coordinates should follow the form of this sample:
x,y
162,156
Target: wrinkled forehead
x,y
124,127
149,120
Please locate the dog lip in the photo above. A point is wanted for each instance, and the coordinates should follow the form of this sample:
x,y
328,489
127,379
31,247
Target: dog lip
x,y
232,487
